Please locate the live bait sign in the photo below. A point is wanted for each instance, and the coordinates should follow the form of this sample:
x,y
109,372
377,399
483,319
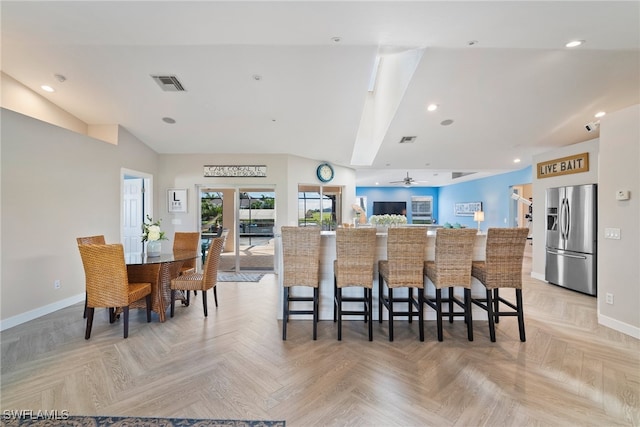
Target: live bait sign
x,y
564,166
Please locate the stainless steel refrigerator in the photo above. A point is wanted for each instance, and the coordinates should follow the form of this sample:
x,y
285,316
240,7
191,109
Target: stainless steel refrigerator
x,y
571,237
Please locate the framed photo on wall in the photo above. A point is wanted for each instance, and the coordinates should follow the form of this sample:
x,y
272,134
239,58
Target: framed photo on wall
x,y
177,200
467,208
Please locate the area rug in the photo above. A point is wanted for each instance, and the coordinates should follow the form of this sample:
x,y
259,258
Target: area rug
x,y
239,277
84,421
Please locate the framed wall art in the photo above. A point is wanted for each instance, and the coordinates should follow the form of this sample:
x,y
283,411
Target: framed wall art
x,y
177,200
467,208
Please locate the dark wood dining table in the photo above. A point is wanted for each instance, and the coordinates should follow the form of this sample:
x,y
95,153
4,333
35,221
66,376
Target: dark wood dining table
x,y
158,271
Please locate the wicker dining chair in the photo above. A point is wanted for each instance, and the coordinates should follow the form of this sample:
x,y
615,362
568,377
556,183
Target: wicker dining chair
x,y
89,240
301,267
452,268
354,266
403,268
502,268
201,281
108,285
187,241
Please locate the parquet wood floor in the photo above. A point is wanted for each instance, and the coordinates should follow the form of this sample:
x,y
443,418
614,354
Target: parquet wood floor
x,y
234,365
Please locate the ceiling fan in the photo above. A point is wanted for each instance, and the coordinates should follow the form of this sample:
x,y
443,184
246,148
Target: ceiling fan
x,y
407,181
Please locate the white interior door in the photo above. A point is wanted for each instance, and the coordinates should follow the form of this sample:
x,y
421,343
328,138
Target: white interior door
x,y
133,216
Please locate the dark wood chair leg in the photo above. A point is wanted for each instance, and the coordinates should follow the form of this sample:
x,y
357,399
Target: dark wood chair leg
x,y
173,301
380,298
421,313
339,309
112,314
87,332
450,305
148,301
285,312
390,314
523,338
84,314
316,309
439,312
335,299
496,304
410,304
125,311
467,313
369,293
215,295
490,316
204,303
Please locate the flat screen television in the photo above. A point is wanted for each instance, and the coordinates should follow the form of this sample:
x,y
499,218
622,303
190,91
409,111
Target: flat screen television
x,y
397,208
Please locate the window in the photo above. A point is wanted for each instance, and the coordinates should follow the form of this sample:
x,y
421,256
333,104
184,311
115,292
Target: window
x,y
421,209
319,206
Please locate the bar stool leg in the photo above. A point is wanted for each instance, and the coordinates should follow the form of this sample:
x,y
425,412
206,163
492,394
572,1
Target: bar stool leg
x,y
490,315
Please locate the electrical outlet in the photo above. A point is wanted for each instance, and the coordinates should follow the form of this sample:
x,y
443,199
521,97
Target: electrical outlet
x,y
609,298
56,284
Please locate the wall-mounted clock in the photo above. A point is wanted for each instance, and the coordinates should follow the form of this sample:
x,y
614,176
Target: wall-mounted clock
x,y
324,172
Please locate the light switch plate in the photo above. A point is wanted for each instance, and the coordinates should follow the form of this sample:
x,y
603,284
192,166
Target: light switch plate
x,y
622,195
612,233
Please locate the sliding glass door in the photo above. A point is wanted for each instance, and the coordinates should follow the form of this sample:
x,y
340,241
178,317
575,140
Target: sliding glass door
x,y
245,216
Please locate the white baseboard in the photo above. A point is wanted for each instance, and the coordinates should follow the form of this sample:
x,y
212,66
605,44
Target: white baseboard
x,y
538,276
619,326
39,312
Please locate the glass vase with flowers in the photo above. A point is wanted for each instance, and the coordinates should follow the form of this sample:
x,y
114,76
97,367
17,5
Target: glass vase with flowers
x,y
153,235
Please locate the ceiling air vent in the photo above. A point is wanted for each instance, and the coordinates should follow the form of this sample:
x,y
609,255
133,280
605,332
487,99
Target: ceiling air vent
x,y
407,139
455,175
169,83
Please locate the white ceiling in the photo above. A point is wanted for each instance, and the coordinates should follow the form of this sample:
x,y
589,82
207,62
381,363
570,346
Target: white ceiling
x,y
515,93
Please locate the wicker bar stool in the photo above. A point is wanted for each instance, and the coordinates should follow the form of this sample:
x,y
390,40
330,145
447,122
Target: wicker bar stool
x,y
451,268
354,265
403,268
200,281
502,268
301,265
108,285
89,240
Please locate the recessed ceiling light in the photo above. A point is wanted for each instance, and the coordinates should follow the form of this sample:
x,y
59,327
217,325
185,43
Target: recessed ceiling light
x,y
377,183
336,39
516,160
168,120
47,88
432,107
60,78
600,114
472,42
446,122
256,77
574,43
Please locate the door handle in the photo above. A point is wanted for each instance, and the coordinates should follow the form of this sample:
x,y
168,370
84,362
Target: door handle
x,y
567,255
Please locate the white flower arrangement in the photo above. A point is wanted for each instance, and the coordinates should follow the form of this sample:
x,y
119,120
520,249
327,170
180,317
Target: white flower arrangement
x,y
387,219
151,231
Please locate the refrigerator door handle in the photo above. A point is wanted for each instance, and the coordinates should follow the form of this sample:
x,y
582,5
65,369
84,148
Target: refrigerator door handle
x,y
567,255
564,216
567,218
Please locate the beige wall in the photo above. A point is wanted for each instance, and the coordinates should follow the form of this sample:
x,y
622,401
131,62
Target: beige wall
x,y
618,260
614,164
539,192
56,185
